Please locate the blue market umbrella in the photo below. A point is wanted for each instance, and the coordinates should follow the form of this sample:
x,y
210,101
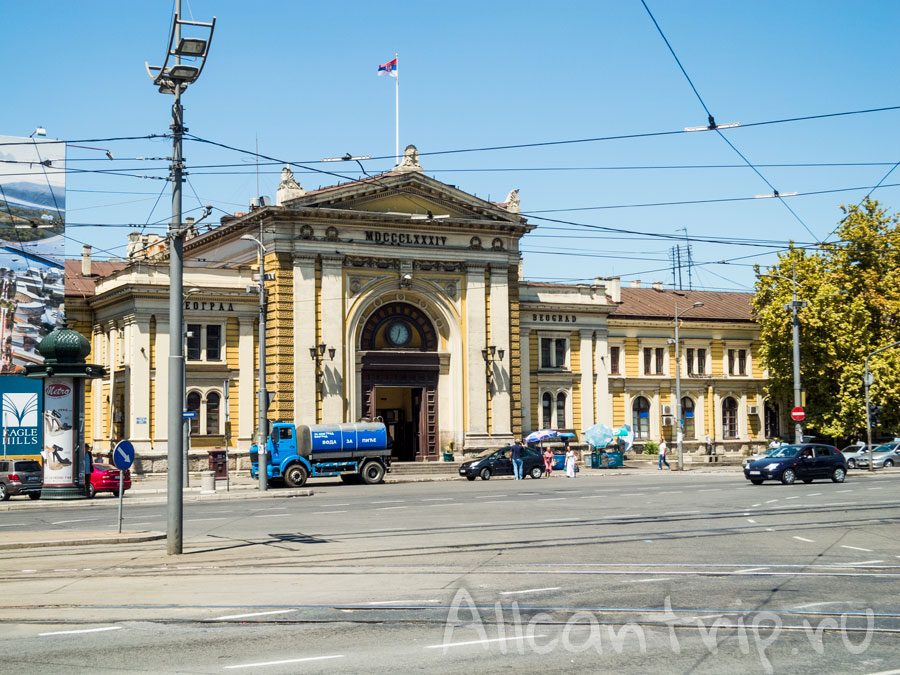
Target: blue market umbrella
x,y
598,435
540,435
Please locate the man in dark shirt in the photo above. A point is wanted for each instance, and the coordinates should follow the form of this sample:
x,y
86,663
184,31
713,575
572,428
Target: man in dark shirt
x,y
516,456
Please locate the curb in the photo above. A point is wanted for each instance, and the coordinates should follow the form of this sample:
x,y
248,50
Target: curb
x,y
113,539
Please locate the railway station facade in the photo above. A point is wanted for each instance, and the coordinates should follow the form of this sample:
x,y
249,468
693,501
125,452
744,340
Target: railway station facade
x,y
401,297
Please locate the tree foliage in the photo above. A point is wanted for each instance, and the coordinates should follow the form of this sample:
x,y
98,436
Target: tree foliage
x,y
852,288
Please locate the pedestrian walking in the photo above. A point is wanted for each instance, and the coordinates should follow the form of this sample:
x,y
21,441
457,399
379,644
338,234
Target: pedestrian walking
x,y
516,456
570,463
663,449
774,444
548,461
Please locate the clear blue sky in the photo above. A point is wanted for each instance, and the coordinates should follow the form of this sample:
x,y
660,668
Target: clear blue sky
x,y
301,78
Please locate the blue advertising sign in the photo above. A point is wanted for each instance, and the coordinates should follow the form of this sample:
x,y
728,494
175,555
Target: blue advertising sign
x,y
123,455
350,436
20,421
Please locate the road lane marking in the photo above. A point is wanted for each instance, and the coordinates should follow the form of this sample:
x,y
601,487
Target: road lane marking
x,y
814,494
483,496
551,499
593,497
446,505
530,590
497,501
710,490
875,488
794,497
11,524
401,602
771,501
811,541
865,562
634,494
438,499
279,663
194,520
319,513
857,548
481,642
244,616
391,501
274,515
755,505
645,581
82,630
330,505
674,492
752,569
80,520
750,520
845,490
390,508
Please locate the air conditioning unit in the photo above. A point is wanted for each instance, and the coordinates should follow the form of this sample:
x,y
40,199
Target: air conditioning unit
x,y
668,420
667,410
753,410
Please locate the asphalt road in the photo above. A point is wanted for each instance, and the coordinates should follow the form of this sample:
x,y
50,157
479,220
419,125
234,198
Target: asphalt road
x,y
661,572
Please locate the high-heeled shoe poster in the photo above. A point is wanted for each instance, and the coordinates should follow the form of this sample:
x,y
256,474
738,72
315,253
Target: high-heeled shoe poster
x,y
59,435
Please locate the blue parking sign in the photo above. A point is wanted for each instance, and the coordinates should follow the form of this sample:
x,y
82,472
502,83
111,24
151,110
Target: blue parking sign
x,y
123,455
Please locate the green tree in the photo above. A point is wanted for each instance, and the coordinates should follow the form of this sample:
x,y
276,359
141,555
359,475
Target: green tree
x,y
852,288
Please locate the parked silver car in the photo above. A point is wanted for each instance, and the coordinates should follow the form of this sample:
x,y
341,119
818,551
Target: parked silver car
x,y
886,455
759,455
852,453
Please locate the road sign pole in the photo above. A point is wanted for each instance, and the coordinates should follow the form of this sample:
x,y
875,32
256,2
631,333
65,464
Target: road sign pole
x,y
121,496
122,459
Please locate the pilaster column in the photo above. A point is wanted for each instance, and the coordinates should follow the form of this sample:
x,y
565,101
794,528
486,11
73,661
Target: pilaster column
x,y
602,400
161,404
137,424
501,422
248,369
586,338
305,337
476,382
525,360
333,337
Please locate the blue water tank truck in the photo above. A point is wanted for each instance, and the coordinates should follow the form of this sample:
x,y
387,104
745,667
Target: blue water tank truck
x,y
353,451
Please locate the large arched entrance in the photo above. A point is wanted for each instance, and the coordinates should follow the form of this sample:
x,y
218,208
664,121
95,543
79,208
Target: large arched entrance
x,y
400,371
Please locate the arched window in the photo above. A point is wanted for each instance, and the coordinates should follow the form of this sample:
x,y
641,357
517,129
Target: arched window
x,y
547,410
212,413
729,418
193,405
770,411
560,411
640,418
687,417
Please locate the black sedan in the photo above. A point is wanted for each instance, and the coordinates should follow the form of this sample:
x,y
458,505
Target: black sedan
x,y
498,463
806,462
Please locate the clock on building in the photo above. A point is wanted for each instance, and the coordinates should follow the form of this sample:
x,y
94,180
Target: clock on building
x,y
398,334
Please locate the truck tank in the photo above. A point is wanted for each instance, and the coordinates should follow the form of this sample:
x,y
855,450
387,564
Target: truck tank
x,y
313,439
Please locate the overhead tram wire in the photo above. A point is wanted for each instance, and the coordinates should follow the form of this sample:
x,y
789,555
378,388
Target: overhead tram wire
x,y
713,126
868,194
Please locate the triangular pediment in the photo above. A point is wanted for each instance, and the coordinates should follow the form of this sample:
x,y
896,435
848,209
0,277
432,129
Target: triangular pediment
x,y
405,193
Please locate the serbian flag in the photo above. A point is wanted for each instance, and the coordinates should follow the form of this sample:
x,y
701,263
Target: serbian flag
x,y
389,68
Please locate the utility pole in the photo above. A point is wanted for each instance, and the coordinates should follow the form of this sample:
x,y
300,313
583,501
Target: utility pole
x,y
795,331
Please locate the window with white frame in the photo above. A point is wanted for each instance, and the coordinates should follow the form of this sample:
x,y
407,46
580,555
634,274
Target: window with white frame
x,y
687,417
554,352
654,360
729,418
554,409
640,418
208,406
204,342
615,360
695,360
738,361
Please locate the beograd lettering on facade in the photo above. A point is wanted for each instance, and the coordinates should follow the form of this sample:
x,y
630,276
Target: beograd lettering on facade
x,y
399,238
210,306
555,318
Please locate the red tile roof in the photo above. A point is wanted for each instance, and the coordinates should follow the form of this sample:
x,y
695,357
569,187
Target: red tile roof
x,y
649,303
79,286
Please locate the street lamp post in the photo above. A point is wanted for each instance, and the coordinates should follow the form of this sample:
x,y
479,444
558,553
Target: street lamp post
x,y
174,79
794,306
262,431
867,382
679,438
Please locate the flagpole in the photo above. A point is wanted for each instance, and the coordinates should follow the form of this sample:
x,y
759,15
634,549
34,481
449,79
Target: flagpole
x,y
397,110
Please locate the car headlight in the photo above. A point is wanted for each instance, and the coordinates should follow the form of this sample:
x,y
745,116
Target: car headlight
x,y
772,466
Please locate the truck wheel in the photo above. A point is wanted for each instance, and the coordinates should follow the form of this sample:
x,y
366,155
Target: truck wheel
x,y
295,475
372,472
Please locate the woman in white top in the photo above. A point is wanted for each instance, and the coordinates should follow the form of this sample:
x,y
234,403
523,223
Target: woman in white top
x,y
570,463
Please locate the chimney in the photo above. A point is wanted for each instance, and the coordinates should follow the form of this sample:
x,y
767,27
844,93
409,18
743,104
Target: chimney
x,y
657,286
614,289
85,261
635,283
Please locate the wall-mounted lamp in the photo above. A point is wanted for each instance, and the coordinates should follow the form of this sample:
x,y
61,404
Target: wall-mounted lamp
x,y
406,281
491,355
317,354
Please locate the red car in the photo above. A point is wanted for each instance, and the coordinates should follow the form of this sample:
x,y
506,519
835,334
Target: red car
x,y
105,478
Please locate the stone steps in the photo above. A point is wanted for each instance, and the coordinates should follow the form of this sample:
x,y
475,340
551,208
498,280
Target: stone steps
x,y
429,468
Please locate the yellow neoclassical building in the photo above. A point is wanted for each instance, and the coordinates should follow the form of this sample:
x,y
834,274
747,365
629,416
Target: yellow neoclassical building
x,y
399,297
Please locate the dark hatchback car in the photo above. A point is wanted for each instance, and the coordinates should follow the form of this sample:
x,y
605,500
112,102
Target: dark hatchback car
x,y
20,477
498,463
805,462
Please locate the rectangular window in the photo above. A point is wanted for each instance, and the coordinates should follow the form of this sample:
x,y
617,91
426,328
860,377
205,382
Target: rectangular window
x,y
545,352
648,355
560,353
731,362
659,360
690,361
701,361
214,343
193,342
742,362
614,361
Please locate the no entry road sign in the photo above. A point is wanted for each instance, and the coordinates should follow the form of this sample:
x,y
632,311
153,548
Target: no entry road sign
x,y
798,414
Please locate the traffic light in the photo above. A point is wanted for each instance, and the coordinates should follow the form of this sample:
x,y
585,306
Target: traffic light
x,y
874,412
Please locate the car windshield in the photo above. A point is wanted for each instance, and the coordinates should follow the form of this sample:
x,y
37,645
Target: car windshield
x,y
883,448
28,465
786,451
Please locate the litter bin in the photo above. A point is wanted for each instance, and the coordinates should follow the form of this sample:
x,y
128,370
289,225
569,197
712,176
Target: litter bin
x,y
448,456
218,463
